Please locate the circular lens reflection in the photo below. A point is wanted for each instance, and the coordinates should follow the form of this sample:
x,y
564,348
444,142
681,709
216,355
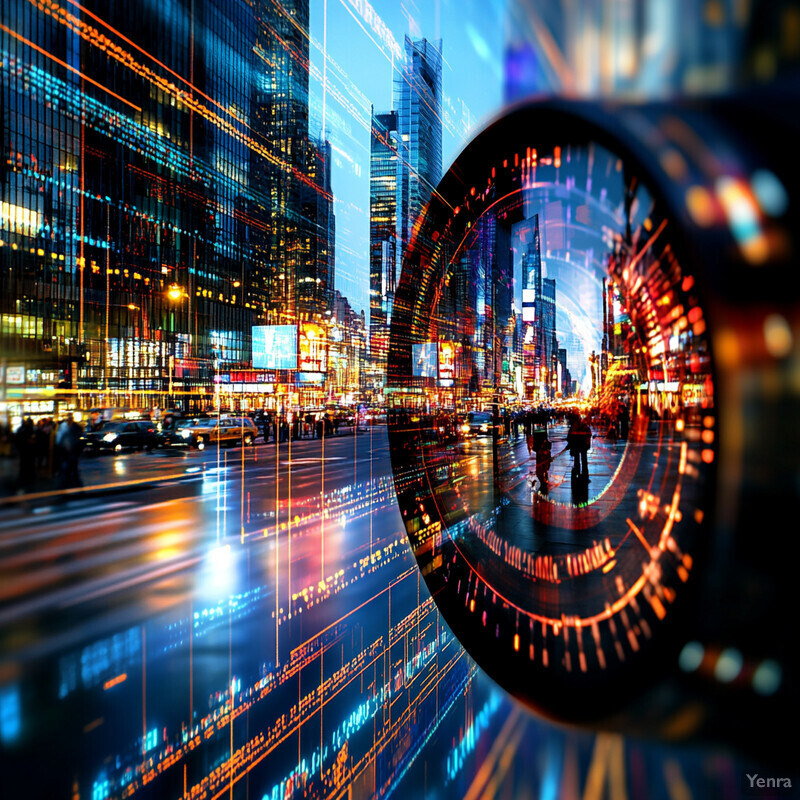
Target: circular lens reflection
x,y
552,416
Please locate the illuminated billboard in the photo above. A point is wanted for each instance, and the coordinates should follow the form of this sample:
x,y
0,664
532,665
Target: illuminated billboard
x,y
313,348
528,305
425,358
275,347
447,361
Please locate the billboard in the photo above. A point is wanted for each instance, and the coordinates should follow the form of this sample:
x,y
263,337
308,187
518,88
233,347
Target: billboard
x,y
313,348
275,347
425,360
310,377
528,305
447,361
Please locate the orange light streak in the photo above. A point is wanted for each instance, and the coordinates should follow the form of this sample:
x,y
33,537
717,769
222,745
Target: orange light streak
x,y
97,39
67,66
125,39
115,681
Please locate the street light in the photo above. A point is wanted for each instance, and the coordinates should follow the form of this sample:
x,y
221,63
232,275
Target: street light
x,y
175,293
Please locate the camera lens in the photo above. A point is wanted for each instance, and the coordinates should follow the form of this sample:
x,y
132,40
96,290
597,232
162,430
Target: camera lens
x,y
553,430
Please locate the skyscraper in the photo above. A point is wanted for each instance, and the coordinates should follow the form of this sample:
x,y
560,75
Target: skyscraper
x,y
405,168
315,269
279,168
124,220
146,228
383,249
538,294
419,91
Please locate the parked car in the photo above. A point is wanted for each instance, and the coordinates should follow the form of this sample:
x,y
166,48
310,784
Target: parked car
x,y
199,432
119,435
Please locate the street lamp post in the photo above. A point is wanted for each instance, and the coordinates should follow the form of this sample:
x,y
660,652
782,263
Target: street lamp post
x,y
175,293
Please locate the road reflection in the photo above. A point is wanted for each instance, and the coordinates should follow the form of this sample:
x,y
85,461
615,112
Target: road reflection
x,y
229,635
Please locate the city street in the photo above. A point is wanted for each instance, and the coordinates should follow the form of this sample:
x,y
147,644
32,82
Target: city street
x,y
257,589
279,571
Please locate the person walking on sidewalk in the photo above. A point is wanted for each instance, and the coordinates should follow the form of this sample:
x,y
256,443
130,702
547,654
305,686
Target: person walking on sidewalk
x,y
527,427
579,442
544,458
69,446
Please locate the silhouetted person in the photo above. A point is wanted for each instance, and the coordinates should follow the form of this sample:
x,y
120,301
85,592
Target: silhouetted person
x,y
527,427
579,440
25,442
68,444
267,426
544,458
539,427
623,421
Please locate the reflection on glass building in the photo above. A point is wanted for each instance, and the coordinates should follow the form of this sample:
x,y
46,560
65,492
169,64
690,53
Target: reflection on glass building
x,y
156,204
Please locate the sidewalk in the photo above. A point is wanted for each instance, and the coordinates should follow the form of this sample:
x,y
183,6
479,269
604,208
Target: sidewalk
x,y
603,459
9,478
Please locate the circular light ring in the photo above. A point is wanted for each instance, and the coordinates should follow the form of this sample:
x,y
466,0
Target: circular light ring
x,y
571,633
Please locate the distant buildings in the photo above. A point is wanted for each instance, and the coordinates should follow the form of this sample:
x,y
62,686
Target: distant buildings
x,y
405,167
540,345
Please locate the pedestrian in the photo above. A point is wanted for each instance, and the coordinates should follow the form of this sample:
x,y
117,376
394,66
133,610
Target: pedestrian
x,y
284,428
266,426
69,445
25,443
539,427
544,457
527,426
6,440
623,421
42,444
579,441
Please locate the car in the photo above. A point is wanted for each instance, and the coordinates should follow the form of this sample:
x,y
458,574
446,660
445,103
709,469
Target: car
x,y
477,423
376,416
181,433
199,432
119,435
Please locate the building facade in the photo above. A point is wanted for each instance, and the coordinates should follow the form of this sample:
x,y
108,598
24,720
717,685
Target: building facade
x,y
405,168
159,196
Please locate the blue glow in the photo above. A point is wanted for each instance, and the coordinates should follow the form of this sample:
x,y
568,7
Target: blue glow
x,y
458,755
770,193
100,789
10,714
151,740
275,347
